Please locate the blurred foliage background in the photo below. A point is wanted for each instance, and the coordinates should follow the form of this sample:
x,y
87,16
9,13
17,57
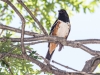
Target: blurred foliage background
x,y
46,12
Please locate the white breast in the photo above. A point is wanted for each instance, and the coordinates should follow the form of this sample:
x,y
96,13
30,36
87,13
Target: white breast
x,y
63,29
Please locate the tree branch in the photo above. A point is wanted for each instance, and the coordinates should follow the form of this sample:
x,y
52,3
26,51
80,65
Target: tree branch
x,y
35,19
70,43
71,68
5,27
23,23
91,64
64,66
57,39
90,51
44,67
89,41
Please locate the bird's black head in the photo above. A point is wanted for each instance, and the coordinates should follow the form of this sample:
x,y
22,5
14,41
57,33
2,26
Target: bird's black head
x,y
63,15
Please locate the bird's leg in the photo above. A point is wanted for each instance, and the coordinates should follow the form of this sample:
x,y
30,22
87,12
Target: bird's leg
x,y
60,45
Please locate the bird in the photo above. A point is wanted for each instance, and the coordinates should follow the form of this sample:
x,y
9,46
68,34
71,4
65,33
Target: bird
x,y
60,28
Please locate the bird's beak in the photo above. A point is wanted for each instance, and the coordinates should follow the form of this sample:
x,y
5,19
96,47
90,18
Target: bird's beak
x,y
59,11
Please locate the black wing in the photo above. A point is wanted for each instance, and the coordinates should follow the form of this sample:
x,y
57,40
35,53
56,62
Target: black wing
x,y
48,55
53,26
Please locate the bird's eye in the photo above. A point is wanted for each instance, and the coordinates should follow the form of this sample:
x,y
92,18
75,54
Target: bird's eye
x,y
63,10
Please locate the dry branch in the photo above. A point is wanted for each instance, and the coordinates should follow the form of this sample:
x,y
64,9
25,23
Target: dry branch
x,y
64,66
5,27
57,39
23,23
89,41
91,64
44,67
35,19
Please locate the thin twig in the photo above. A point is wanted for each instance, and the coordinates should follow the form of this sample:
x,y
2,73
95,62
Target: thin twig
x,y
64,66
36,20
70,68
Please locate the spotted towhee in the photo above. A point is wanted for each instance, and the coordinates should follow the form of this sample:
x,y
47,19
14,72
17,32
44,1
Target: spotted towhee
x,y
60,28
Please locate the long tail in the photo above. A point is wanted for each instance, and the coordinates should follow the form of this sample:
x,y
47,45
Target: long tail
x,y
48,56
51,49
